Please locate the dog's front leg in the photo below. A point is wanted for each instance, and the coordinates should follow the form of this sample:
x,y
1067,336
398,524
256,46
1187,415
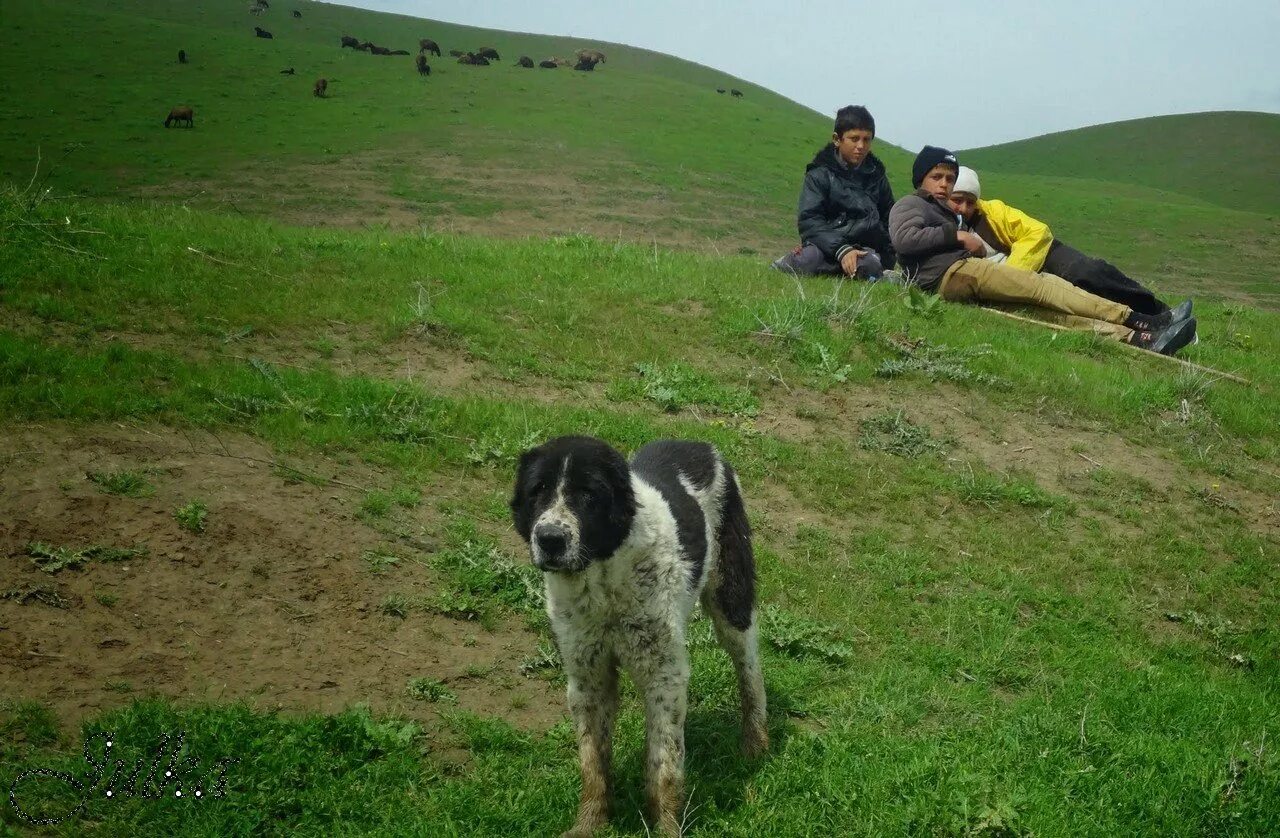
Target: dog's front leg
x,y
666,697
593,702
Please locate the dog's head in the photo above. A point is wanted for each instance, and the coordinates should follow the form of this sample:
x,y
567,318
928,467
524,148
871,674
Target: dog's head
x,y
573,502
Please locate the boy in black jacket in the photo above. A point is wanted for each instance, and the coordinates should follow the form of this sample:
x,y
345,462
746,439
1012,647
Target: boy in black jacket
x,y
844,205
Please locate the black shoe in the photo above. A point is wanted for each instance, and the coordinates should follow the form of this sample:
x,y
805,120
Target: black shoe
x,y
1181,311
1168,340
1149,322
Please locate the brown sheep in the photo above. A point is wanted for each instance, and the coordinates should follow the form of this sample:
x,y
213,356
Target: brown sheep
x,y
585,64
489,53
525,61
261,33
288,72
595,56
561,62
548,64
736,92
398,52
365,46
321,88
376,50
182,56
424,69
719,90
456,53
181,114
474,60
297,13
348,41
428,45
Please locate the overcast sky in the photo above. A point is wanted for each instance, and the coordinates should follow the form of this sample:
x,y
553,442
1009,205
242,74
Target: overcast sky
x,y
955,74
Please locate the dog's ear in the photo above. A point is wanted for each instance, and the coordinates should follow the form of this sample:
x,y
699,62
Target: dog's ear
x,y
622,506
521,513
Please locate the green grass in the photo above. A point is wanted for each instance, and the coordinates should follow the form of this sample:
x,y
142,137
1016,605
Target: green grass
x,y
192,516
954,643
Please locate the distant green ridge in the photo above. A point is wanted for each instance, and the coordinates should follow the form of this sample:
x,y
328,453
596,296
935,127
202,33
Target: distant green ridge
x,y
1228,158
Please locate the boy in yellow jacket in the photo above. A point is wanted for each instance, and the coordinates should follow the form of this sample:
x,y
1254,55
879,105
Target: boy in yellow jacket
x,y
1021,241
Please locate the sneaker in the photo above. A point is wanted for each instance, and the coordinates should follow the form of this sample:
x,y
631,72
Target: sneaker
x,y
1181,311
1166,341
1149,322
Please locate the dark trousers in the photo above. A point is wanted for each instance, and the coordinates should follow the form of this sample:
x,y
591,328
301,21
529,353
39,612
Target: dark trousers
x,y
808,260
1100,278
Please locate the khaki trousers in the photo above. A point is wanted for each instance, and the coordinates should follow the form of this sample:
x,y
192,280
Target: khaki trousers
x,y
982,281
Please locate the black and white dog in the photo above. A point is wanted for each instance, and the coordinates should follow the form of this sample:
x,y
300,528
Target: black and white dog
x,y
626,552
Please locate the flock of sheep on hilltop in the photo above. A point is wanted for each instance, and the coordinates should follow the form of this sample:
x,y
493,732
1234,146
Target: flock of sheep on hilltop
x,y
586,60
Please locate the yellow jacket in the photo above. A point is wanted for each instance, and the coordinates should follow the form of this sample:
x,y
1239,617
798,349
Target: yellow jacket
x,y
1026,239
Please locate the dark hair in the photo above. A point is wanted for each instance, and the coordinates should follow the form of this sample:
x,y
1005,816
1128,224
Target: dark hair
x,y
854,117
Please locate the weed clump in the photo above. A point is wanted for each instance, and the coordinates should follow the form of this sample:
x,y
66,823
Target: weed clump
x,y
935,362
801,638
53,559
130,484
192,516
895,434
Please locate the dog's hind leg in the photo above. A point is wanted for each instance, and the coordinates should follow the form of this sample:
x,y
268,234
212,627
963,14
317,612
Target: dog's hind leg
x,y
593,702
729,599
743,649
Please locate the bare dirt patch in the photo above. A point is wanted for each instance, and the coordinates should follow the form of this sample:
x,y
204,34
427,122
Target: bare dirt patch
x,y
441,192
274,603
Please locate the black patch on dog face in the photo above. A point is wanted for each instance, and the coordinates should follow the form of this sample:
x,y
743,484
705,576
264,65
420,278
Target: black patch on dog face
x,y
660,464
597,490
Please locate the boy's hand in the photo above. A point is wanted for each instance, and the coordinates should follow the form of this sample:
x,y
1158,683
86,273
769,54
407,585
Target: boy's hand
x,y
849,262
972,243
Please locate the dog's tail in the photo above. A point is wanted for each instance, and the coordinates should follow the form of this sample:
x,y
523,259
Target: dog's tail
x,y
736,593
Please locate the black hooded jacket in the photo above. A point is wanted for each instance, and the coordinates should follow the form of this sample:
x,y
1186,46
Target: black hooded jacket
x,y
843,207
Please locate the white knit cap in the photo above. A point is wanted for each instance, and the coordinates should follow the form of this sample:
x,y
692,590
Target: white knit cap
x,y
967,181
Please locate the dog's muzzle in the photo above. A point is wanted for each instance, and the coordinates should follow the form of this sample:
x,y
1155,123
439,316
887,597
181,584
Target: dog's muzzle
x,y
551,547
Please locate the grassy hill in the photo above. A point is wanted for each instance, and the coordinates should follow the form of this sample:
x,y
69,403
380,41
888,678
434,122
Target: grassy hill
x,y
644,141
263,385
1227,159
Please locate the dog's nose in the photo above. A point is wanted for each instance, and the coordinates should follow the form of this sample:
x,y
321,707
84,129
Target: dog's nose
x,y
552,539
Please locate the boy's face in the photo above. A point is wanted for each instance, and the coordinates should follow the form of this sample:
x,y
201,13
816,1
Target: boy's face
x,y
964,203
939,180
853,145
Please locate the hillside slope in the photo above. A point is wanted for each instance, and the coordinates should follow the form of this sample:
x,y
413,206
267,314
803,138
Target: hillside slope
x,y
1231,159
644,141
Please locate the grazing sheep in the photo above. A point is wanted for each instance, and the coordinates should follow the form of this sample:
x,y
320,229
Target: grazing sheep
x,y
548,64
525,61
180,115
263,3
585,64
489,53
719,90
322,87
428,45
736,92
348,41
182,56
297,13
456,53
399,52
365,45
255,10
424,69
561,62
376,50
595,56
288,72
261,33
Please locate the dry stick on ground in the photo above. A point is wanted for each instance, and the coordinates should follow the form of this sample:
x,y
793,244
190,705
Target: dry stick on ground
x,y
229,264
1200,367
